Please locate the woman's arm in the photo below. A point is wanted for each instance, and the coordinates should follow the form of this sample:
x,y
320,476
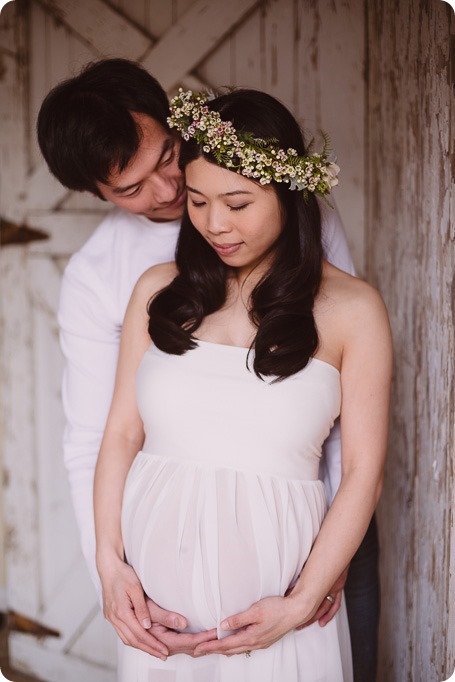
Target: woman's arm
x,y
123,597
366,367
123,600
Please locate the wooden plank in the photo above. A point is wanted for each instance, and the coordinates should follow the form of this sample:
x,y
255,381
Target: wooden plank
x,y
16,363
217,69
18,442
58,537
247,58
134,10
68,230
34,658
189,40
43,190
450,655
101,26
411,258
159,17
13,119
38,84
279,63
342,108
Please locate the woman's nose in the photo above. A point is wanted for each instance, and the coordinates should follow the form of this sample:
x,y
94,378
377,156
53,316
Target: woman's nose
x,y
217,223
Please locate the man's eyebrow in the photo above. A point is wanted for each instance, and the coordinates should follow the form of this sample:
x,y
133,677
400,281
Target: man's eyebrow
x,y
224,194
167,145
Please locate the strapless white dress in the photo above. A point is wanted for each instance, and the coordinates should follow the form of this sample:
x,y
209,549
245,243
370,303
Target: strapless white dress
x,y
222,506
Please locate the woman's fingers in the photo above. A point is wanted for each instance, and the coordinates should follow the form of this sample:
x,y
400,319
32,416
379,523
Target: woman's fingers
x,y
240,640
181,642
169,619
133,634
122,613
137,640
137,597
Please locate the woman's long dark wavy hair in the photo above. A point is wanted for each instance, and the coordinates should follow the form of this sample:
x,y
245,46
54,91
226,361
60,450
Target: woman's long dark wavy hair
x,y
281,304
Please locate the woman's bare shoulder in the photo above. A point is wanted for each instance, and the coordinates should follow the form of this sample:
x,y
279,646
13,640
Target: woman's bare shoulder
x,y
156,278
348,292
357,307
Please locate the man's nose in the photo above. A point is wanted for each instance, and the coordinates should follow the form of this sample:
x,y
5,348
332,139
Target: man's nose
x,y
165,188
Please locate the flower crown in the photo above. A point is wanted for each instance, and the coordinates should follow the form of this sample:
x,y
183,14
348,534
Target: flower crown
x,y
253,157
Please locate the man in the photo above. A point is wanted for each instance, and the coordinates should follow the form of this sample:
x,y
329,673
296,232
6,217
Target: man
x,y
105,132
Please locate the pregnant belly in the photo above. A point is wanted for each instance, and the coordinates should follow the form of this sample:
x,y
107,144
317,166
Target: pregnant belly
x,y
209,542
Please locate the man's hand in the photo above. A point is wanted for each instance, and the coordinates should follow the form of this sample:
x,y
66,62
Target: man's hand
x,y
327,608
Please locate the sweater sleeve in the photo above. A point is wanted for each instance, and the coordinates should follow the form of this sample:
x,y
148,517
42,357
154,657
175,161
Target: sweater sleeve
x,y
89,337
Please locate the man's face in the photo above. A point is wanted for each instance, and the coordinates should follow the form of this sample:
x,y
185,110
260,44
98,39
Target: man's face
x,y
152,184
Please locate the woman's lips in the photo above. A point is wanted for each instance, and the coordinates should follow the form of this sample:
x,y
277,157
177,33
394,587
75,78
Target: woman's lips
x,y
226,249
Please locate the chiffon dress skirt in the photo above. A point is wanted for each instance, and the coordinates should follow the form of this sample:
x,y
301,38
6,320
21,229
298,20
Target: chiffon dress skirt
x,y
223,504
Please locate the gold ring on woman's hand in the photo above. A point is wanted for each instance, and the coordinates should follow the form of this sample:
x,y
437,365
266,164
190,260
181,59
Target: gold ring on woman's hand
x,y
330,598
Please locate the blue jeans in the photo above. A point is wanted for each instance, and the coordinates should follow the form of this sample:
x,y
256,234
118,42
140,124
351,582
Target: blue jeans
x,y
362,601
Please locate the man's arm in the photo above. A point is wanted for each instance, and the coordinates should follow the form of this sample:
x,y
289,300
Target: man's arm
x,y
89,339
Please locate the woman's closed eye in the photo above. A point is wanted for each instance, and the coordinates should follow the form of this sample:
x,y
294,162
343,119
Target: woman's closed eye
x,y
198,204
238,208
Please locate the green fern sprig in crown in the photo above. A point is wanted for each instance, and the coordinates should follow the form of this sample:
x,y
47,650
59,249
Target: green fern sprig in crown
x,y
259,159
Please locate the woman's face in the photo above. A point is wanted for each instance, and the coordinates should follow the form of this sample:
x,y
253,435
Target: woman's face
x,y
240,219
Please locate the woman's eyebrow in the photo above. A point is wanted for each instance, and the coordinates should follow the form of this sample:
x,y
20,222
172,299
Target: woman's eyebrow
x,y
224,194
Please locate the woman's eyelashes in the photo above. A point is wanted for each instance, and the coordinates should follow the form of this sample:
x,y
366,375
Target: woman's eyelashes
x,y
199,204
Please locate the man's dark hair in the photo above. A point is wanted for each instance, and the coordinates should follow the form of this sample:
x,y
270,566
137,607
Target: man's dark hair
x,y
281,304
85,127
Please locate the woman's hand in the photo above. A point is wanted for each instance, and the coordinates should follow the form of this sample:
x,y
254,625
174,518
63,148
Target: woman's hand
x,y
124,605
260,626
179,642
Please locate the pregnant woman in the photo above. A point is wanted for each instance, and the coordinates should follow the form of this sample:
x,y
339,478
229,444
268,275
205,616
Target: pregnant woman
x,y
234,363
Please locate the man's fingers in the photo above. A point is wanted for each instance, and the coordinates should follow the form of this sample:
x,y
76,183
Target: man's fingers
x,y
327,617
169,619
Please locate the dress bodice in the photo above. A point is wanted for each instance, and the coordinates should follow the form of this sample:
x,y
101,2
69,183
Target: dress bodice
x,y
229,417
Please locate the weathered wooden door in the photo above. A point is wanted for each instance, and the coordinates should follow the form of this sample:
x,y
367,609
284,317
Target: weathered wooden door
x,y
46,579
41,43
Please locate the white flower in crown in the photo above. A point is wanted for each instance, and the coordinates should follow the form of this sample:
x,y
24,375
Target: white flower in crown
x,y
252,157
331,172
